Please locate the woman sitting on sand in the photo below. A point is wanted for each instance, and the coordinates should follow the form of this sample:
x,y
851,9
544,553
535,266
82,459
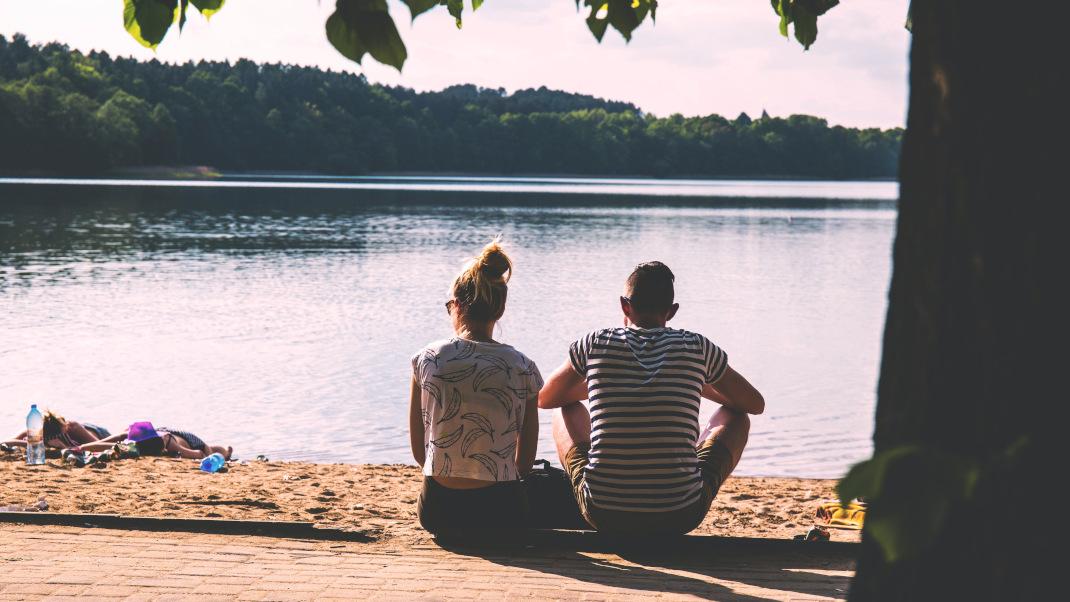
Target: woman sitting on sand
x,y
160,442
473,422
60,433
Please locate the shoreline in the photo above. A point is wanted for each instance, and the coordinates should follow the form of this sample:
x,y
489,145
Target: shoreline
x,y
378,500
208,172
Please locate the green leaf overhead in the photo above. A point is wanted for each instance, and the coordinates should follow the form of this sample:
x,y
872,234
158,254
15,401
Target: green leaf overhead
x,y
148,20
455,8
359,27
803,14
208,7
182,13
419,7
624,15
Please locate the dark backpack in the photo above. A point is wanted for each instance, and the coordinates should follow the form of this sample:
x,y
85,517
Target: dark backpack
x,y
551,502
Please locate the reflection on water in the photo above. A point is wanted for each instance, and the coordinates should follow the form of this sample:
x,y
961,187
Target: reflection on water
x,y
280,320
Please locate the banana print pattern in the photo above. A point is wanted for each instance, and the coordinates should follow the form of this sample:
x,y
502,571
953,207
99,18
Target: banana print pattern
x,y
456,375
490,465
503,398
483,375
473,398
448,440
433,391
506,452
481,423
452,408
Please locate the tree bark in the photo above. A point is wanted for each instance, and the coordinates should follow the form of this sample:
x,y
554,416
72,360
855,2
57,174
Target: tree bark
x,y
970,361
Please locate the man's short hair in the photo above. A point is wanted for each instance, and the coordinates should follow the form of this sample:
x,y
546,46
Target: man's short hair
x,y
650,287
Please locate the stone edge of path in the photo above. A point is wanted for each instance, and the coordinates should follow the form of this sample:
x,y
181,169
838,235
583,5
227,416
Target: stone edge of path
x,y
549,538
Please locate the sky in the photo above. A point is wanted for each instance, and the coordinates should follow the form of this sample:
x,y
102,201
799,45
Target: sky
x,y
701,56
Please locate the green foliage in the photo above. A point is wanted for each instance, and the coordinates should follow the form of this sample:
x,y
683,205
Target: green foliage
x,y
364,26
624,15
148,21
64,111
804,14
208,7
359,27
914,491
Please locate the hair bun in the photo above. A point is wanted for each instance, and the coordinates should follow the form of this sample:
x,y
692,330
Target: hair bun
x,y
493,262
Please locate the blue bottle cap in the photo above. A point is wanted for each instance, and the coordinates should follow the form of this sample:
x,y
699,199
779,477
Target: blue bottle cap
x,y
33,406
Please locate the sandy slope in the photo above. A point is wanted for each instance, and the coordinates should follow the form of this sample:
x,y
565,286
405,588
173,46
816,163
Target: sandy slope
x,y
377,499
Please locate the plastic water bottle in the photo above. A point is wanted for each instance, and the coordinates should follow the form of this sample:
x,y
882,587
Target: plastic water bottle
x,y
213,463
35,437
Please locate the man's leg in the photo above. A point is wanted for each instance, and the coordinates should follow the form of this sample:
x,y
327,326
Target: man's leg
x,y
730,429
572,426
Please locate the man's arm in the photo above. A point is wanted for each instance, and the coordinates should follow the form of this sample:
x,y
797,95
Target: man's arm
x,y
735,393
710,392
564,386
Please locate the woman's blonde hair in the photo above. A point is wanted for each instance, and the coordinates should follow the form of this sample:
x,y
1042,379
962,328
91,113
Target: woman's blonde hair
x,y
481,288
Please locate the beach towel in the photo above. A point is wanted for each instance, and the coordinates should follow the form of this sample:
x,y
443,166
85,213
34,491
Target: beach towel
x,y
839,517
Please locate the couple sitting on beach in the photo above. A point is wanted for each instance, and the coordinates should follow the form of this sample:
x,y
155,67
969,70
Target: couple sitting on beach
x,y
637,460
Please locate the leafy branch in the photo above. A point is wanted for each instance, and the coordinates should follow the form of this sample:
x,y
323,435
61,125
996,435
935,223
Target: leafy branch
x,y
914,490
803,14
362,27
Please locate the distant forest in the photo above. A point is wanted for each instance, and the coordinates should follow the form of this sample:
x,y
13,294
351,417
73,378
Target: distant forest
x,y
63,111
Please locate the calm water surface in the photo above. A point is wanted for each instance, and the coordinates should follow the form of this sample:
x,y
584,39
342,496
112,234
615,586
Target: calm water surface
x,y
278,315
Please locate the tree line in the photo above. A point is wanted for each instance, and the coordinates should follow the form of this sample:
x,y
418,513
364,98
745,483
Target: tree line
x,y
63,111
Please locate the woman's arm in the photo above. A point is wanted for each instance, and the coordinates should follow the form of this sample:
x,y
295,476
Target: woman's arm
x,y
416,424
528,440
564,386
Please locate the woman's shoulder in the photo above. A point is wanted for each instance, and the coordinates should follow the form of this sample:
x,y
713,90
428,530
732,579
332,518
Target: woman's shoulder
x,y
436,348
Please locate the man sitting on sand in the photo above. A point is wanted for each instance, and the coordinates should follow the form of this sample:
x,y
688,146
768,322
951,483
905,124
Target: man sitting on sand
x,y
636,461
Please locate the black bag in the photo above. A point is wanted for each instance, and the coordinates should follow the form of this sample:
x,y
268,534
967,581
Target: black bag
x,y
551,502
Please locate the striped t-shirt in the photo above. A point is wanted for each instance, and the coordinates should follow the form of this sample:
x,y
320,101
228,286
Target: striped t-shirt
x,y
644,386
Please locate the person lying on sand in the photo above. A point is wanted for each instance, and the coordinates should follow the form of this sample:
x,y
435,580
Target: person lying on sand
x,y
61,433
161,442
473,410
636,461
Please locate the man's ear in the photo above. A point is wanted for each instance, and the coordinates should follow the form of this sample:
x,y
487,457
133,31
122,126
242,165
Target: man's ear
x,y
672,311
625,308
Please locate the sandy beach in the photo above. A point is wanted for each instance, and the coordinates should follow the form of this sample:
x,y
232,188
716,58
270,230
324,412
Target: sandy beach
x,y
378,500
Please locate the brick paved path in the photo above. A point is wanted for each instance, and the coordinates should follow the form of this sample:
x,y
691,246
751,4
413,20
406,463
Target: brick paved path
x,y
67,563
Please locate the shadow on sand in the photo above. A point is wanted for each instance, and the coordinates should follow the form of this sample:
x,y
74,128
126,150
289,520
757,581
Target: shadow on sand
x,y
712,568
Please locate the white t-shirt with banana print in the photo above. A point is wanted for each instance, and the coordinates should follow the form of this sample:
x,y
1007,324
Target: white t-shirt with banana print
x,y
473,397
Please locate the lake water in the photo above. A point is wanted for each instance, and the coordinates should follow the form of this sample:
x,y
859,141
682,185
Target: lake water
x,y
278,314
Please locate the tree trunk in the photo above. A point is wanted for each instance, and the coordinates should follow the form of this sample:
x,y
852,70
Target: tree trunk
x,y
970,362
